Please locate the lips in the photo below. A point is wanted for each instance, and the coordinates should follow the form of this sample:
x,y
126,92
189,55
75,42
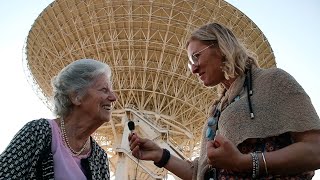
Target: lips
x,y
107,107
201,75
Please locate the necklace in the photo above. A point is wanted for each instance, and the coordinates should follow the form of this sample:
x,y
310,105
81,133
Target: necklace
x,y
65,139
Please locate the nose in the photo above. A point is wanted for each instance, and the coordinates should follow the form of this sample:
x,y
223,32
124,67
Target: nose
x,y
194,68
112,97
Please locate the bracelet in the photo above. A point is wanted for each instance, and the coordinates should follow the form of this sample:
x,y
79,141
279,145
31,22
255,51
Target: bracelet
x,y
255,165
265,163
164,159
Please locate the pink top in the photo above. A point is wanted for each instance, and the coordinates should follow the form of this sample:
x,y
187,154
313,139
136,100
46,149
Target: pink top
x,y
66,166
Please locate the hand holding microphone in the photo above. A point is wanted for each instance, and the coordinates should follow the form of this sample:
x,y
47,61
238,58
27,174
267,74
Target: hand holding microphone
x,y
131,128
142,148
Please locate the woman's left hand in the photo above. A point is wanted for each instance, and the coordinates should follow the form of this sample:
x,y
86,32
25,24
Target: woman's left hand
x,y
222,153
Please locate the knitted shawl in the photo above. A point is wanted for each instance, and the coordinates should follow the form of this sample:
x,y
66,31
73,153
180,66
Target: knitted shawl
x,y
279,104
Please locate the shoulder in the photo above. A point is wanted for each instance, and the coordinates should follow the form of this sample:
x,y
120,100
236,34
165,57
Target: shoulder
x,y
273,72
278,79
37,129
38,122
33,136
38,125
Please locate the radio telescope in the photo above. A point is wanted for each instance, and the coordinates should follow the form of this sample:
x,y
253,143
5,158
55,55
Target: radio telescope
x,y
144,43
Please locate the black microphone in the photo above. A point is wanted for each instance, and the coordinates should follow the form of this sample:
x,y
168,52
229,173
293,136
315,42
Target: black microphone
x,y
131,128
131,125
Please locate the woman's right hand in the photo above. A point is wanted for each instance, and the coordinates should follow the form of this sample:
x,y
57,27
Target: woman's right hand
x,y
144,149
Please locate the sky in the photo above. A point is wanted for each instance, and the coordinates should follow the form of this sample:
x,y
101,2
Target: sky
x,y
291,27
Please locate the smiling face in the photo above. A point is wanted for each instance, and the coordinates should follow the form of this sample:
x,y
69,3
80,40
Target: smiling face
x,y
209,62
97,102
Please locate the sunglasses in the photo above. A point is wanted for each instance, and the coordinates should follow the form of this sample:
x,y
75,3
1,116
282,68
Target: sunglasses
x,y
194,57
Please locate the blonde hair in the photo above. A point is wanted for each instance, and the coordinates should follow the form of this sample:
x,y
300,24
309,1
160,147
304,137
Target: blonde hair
x,y
236,57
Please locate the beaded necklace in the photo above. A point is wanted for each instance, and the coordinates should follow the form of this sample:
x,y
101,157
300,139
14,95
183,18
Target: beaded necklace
x,y
213,120
65,139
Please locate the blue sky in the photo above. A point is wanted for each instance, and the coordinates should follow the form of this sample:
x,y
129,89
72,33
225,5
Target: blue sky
x,y
291,26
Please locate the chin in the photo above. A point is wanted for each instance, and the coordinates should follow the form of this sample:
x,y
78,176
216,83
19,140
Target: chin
x,y
107,119
208,84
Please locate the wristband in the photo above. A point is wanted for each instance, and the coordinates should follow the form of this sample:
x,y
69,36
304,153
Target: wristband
x,y
164,159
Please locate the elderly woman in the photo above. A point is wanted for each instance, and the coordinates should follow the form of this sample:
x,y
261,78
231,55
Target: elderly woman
x,y
263,125
62,148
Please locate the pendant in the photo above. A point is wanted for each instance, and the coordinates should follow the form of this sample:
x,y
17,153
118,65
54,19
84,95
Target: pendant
x,y
210,134
212,121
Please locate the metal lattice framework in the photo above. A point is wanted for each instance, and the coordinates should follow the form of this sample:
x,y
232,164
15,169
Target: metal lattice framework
x,y
144,43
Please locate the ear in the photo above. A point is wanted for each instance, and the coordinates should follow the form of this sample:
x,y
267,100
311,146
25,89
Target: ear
x,y
75,99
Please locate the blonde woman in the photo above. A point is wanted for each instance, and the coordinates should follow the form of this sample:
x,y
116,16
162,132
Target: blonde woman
x,y
263,126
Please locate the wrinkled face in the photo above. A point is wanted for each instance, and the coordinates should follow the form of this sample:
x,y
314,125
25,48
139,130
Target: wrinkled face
x,y
97,102
206,62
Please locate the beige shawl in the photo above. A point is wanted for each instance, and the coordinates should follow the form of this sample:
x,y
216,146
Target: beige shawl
x,y
279,104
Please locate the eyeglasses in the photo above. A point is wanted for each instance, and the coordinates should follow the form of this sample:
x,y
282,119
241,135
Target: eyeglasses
x,y
194,58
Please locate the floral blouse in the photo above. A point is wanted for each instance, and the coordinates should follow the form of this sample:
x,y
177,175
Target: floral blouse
x,y
263,145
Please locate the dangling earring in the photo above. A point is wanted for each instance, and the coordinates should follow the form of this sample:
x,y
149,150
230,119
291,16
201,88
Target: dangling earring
x,y
77,100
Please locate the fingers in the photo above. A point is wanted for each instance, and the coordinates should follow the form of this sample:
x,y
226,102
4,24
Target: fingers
x,y
134,145
134,141
219,140
136,152
222,153
210,144
214,144
214,148
130,136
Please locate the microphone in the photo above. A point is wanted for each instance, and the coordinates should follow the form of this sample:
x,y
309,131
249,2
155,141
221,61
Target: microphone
x,y
131,125
131,128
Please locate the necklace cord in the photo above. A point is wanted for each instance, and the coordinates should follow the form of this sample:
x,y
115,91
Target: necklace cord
x,y
248,84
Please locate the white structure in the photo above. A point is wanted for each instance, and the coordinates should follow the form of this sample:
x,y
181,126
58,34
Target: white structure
x,y
144,43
